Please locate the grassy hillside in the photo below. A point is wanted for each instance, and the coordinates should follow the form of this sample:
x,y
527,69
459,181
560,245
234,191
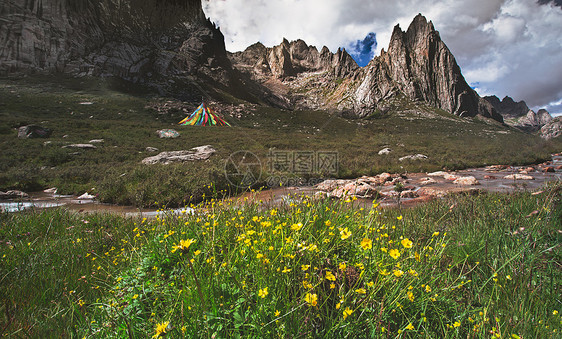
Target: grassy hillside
x,y
462,267
124,117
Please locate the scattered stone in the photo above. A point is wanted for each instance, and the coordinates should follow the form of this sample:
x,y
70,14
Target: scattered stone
x,y
413,157
151,149
437,174
519,177
168,133
33,131
451,177
385,151
320,195
466,181
196,153
52,190
496,168
489,177
331,184
13,194
86,196
549,169
361,190
408,194
559,167
424,191
86,103
96,141
47,143
427,181
82,146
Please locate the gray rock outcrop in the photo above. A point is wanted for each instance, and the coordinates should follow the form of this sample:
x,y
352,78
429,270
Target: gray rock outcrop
x,y
82,146
196,153
552,129
168,133
33,131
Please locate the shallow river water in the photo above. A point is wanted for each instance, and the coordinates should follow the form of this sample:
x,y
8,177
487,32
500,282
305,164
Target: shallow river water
x,y
490,179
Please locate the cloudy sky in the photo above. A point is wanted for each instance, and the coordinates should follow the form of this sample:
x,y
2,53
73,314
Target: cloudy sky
x,y
504,47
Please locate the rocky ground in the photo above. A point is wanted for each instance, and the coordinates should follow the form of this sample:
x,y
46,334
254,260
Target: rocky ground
x,y
412,188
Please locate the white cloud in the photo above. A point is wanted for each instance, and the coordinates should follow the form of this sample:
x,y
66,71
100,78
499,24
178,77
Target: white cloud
x,y
508,47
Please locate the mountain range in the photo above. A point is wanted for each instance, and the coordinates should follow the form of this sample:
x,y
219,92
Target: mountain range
x,y
171,47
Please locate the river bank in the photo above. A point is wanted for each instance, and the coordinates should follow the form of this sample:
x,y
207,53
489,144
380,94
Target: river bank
x,y
405,189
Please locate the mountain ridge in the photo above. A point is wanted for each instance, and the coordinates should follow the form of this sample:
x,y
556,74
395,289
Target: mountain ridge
x,y
518,114
162,43
417,64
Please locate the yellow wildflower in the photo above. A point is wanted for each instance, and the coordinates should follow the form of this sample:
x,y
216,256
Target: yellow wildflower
x,y
347,312
345,233
410,296
366,243
360,291
399,217
330,276
160,329
394,253
342,266
398,273
183,245
305,267
296,227
311,299
263,293
407,243
410,327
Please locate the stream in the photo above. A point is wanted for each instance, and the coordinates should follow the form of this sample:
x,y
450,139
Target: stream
x,y
418,185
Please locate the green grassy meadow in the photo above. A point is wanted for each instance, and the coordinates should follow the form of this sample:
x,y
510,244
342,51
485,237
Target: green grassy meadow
x,y
465,266
461,267
123,115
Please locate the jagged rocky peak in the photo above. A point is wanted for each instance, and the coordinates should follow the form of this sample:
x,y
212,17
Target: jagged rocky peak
x,y
289,59
543,116
507,107
518,114
422,68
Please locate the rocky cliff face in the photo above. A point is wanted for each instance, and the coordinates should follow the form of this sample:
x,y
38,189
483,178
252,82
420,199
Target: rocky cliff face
x,y
96,36
552,129
145,41
417,66
518,114
424,69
